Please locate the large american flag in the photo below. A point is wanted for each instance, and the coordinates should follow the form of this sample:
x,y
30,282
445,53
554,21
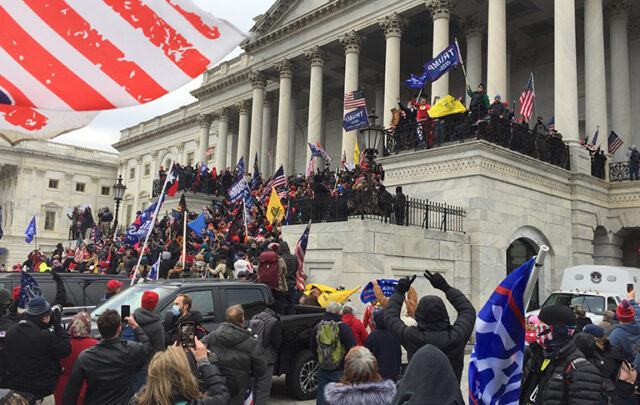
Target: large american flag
x,y
354,99
526,99
63,60
614,142
278,180
301,250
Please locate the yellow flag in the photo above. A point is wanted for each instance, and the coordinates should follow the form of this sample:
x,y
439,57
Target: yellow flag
x,y
337,296
446,106
356,153
275,210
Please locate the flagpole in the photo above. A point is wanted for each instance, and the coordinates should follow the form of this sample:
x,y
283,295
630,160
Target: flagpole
x,y
184,238
535,273
464,71
153,223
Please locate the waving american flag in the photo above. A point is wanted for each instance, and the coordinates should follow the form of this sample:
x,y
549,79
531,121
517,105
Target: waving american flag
x,y
526,99
62,60
301,251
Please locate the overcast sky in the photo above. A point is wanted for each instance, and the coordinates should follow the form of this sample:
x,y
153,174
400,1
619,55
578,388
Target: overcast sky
x,y
105,128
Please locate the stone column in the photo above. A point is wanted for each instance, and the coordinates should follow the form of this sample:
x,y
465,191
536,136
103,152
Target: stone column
x,y
154,166
439,10
243,132
618,12
473,32
351,42
595,105
292,130
266,134
392,26
184,153
258,83
221,147
138,189
285,69
497,48
316,57
204,120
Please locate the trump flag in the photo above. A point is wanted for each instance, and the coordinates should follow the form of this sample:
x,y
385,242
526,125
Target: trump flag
x,y
495,370
63,60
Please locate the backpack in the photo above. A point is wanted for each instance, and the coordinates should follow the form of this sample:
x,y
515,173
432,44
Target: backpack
x,y
268,270
627,382
331,351
635,156
258,326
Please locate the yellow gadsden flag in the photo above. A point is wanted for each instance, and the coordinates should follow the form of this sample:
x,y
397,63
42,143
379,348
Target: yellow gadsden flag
x,y
330,294
275,210
356,153
446,106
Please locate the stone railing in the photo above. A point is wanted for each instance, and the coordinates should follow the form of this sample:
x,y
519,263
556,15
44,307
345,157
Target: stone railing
x,y
620,171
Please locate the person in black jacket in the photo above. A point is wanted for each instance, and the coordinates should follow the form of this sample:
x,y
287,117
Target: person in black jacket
x,y
181,312
433,321
385,347
110,365
33,351
292,267
152,326
555,372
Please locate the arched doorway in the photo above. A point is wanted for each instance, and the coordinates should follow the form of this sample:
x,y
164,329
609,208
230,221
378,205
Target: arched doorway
x,y
518,253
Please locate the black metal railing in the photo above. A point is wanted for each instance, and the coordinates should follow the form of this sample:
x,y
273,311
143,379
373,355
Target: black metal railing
x,y
458,127
622,171
383,207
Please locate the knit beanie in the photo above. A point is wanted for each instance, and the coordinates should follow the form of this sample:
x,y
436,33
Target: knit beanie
x,y
149,300
625,312
594,330
557,315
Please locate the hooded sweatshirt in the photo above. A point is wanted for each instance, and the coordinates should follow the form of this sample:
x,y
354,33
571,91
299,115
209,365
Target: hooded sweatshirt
x,y
429,380
626,336
152,326
378,393
385,347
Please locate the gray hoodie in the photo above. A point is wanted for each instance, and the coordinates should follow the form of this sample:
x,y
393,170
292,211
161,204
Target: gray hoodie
x,y
152,326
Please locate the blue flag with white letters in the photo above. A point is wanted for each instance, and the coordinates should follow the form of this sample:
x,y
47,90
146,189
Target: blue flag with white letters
x,y
153,272
444,62
416,82
31,230
142,224
495,370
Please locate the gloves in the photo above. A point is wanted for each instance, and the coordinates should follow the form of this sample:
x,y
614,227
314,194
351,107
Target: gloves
x,y
404,284
436,280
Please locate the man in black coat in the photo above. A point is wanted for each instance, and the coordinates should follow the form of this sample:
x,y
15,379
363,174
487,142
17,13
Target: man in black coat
x,y
110,365
385,347
433,321
33,351
292,267
181,312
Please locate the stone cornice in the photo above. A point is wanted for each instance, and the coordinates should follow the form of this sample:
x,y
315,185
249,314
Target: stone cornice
x,y
45,153
227,81
146,136
301,23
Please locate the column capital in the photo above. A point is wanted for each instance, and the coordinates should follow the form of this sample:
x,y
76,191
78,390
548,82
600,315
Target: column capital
x,y
242,106
618,8
393,25
634,30
258,80
440,8
351,42
315,56
285,69
155,154
222,114
473,26
269,98
204,120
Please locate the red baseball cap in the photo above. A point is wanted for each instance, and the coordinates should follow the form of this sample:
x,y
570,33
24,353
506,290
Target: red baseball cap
x,y
113,284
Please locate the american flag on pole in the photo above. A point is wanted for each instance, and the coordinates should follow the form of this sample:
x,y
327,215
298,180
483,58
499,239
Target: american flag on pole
x,y
526,99
354,99
79,254
301,250
551,124
614,142
278,180
64,60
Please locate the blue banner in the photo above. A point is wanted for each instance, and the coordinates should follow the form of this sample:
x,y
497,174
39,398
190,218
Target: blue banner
x,y
142,224
29,288
31,230
198,225
416,82
444,62
388,287
355,119
237,190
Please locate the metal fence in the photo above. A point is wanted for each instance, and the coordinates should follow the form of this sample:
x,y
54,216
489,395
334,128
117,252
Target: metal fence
x,y
459,127
620,171
383,207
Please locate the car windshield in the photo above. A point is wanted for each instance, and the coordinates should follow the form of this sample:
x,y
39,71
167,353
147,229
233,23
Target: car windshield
x,y
132,297
591,303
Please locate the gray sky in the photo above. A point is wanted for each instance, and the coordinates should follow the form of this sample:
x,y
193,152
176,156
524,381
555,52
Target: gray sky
x,y
105,128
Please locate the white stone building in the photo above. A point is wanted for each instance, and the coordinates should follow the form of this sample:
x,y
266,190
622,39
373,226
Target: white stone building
x,y
45,179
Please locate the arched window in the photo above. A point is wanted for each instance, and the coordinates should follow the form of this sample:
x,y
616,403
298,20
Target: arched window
x,y
518,253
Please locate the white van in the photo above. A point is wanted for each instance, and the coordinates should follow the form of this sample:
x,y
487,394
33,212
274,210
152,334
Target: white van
x,y
597,288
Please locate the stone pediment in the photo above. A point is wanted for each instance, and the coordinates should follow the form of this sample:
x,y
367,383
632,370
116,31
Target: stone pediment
x,y
285,11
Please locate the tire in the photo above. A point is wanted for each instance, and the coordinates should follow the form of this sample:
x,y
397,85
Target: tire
x,y
302,378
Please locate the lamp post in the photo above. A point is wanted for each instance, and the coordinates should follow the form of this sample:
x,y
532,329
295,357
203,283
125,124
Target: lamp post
x,y
370,137
118,193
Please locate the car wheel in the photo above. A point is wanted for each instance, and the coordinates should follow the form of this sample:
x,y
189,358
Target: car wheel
x,y
302,378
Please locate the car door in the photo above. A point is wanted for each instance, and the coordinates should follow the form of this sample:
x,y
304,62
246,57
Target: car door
x,y
203,301
251,298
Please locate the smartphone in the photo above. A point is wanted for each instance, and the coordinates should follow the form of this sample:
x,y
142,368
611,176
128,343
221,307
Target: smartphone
x,y
629,287
187,334
125,311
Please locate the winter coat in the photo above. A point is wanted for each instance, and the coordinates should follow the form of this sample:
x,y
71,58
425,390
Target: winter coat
x,y
33,356
171,323
211,380
428,380
411,302
581,323
498,109
357,328
478,99
386,348
108,367
282,276
626,337
78,345
237,351
433,325
165,266
607,360
345,334
153,328
272,339
568,379
291,262
378,393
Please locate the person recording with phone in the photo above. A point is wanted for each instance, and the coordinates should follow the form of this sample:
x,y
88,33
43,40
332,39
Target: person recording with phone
x,y
181,312
110,365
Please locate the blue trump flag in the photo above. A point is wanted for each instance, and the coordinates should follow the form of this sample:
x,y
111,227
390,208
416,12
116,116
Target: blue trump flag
x,y
31,230
495,370
444,62
153,272
198,224
240,167
142,224
416,82
355,119
388,288
29,288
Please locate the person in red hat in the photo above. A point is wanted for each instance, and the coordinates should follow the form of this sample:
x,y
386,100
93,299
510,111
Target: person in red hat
x,y
113,288
151,325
